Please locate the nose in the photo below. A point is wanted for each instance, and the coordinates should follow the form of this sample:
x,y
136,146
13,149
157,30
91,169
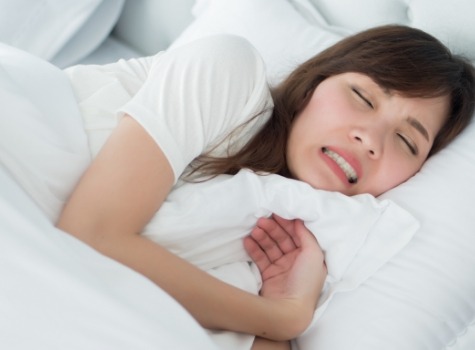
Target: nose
x,y
370,139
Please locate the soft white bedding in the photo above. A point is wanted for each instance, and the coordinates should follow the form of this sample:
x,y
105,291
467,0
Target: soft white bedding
x,y
110,50
211,236
56,292
63,295
61,31
349,230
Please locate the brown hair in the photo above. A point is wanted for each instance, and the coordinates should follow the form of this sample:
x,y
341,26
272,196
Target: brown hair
x,y
398,58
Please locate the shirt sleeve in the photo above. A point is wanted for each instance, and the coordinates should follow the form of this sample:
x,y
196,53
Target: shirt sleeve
x,y
197,94
100,90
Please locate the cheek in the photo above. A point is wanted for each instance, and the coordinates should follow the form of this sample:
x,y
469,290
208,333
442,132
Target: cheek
x,y
319,116
396,172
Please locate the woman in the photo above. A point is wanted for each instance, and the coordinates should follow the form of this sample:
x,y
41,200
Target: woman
x,y
361,117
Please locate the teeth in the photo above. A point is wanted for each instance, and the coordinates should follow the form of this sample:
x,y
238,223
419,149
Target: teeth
x,y
343,164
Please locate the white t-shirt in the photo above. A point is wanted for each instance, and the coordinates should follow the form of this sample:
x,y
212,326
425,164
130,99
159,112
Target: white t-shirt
x,y
189,99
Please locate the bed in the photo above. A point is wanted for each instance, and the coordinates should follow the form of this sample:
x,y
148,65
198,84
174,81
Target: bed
x,y
58,293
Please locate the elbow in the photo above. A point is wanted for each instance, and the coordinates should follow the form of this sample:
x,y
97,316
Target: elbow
x,y
90,233
297,327
291,328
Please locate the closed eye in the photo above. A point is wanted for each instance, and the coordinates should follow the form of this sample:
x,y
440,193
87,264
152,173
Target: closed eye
x,y
362,97
412,147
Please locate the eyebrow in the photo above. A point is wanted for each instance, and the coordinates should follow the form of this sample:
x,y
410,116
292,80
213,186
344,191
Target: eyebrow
x,y
418,126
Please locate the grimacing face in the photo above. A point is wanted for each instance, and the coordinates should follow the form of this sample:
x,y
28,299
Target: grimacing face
x,y
354,137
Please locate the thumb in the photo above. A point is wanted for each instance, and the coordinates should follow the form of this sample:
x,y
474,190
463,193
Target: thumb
x,y
303,234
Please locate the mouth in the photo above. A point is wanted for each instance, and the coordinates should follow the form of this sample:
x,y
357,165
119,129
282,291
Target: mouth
x,y
347,169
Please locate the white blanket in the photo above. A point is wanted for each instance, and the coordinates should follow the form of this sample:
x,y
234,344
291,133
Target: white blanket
x,y
206,222
56,292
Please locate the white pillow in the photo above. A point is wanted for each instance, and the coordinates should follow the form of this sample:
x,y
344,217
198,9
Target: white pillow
x,y
282,36
62,31
424,297
90,35
450,21
42,27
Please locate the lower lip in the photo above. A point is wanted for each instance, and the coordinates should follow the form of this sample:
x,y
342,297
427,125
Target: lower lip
x,y
336,169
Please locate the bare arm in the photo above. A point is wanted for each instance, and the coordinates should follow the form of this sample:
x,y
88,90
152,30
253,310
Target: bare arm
x,y
266,344
117,196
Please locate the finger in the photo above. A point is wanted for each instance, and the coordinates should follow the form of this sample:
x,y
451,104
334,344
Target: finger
x,y
281,234
257,255
287,225
267,244
311,248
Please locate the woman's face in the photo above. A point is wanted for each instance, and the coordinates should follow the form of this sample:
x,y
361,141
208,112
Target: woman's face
x,y
355,137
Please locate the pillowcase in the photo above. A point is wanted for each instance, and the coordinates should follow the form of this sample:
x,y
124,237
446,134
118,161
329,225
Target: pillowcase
x,y
94,32
282,36
423,297
42,27
453,25
62,31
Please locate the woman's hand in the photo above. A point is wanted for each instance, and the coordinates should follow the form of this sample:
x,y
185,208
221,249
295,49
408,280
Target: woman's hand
x,y
290,261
